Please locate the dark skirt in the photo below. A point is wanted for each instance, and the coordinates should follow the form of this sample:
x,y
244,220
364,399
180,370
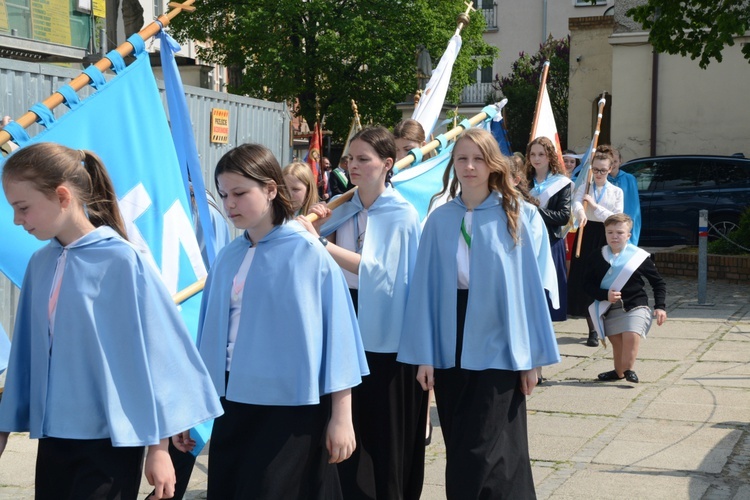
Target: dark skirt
x,y
87,468
593,240
483,420
558,257
389,409
271,452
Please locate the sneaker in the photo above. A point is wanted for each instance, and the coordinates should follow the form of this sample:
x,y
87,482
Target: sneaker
x,y
631,377
593,340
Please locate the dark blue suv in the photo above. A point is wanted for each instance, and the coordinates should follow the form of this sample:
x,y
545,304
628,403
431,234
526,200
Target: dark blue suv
x,y
673,189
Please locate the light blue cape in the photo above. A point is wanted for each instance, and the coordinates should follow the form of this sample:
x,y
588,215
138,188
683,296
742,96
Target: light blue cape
x,y
388,258
298,337
539,240
121,365
632,202
508,326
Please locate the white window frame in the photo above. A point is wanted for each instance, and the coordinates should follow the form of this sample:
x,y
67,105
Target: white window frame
x,y
584,3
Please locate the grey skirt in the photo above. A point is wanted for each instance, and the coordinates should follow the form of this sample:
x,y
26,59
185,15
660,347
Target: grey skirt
x,y
636,320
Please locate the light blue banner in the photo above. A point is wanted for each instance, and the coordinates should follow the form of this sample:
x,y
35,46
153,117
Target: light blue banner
x,y
124,123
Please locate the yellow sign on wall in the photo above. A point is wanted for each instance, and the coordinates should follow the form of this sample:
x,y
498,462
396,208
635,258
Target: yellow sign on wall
x,y
100,8
219,126
50,21
3,17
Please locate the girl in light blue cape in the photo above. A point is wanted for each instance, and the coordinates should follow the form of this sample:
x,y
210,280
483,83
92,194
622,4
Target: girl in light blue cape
x,y
374,238
280,339
101,363
477,323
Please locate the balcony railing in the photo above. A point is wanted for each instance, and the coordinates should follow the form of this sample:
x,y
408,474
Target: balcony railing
x,y
476,94
490,16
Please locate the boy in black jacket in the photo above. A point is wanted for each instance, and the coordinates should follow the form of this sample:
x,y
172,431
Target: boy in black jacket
x,y
620,311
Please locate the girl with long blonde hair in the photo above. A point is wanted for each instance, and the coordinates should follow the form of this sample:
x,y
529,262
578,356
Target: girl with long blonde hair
x,y
477,324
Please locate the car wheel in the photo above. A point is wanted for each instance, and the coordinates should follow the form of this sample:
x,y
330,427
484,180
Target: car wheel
x,y
721,227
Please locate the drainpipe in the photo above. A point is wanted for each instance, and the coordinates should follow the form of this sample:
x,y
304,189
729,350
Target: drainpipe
x,y
654,98
654,88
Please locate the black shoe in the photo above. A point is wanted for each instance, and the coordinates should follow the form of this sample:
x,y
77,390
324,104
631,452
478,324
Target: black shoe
x,y
631,377
540,380
609,376
593,340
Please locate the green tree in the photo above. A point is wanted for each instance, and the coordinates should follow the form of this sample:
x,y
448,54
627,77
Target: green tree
x,y
332,51
698,28
521,87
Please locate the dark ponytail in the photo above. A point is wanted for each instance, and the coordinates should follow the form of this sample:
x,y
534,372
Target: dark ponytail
x,y
48,165
102,205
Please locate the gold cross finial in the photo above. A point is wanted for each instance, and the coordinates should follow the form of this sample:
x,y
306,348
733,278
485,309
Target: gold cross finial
x,y
463,17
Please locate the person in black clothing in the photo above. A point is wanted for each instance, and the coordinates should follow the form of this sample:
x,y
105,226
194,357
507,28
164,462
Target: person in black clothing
x,y
615,278
552,189
339,179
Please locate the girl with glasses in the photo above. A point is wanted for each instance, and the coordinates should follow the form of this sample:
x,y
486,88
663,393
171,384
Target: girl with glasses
x,y
602,199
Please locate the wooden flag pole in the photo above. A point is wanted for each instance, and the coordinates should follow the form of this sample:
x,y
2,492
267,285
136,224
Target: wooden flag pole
x,y
405,162
103,64
543,82
589,176
189,291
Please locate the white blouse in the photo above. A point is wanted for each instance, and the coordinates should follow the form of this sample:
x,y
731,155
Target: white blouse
x,y
235,303
609,200
351,236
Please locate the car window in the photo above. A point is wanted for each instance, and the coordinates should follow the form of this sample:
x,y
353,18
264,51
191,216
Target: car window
x,y
643,173
732,174
682,173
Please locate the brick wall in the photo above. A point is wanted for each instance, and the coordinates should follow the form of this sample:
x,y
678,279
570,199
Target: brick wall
x,y
729,268
593,22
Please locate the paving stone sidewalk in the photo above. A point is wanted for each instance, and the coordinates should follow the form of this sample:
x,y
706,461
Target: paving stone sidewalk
x,y
681,433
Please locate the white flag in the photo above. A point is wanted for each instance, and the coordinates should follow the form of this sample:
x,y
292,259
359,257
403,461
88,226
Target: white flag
x,y
431,102
545,124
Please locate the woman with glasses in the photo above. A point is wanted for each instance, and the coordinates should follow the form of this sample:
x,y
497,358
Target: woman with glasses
x,y
601,199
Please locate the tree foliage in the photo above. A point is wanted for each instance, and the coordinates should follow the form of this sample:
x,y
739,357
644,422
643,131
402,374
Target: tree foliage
x,y
521,87
333,51
698,28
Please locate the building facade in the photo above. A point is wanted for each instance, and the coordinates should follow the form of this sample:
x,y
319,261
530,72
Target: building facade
x,y
521,26
659,104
